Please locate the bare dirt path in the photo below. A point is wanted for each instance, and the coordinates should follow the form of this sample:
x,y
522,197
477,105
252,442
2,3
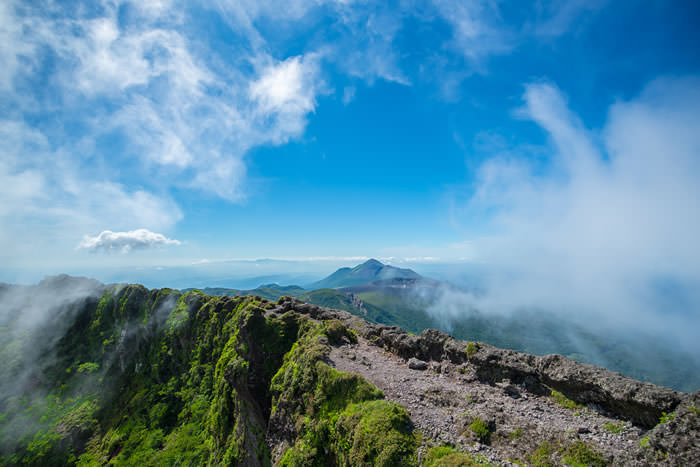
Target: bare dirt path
x,y
444,399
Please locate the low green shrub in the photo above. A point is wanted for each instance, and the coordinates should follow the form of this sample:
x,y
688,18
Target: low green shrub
x,y
448,456
481,429
581,454
565,402
542,456
614,427
471,349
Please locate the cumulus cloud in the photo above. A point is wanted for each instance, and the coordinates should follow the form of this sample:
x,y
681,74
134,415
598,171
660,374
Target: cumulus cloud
x,y
123,242
607,229
285,92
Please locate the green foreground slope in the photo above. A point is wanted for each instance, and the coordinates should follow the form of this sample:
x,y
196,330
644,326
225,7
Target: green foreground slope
x,y
154,377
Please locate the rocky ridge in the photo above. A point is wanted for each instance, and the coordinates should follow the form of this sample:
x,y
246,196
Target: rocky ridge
x,y
526,401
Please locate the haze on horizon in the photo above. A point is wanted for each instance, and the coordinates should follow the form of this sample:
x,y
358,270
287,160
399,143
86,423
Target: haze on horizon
x,y
551,149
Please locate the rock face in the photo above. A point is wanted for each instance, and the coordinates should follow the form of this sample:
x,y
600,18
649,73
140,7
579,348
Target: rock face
x,y
635,401
676,441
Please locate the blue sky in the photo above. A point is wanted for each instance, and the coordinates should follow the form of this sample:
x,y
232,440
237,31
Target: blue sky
x,y
162,133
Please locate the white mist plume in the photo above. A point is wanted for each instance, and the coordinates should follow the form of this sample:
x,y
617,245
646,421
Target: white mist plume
x,y
608,230
43,312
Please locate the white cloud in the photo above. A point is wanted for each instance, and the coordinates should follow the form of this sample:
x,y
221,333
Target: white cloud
x,y
48,200
557,17
187,115
285,93
611,226
362,32
13,46
286,87
477,27
348,94
124,242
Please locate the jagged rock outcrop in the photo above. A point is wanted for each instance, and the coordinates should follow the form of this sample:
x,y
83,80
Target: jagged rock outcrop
x,y
641,403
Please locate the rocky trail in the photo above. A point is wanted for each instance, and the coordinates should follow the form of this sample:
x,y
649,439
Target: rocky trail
x,y
443,400
509,408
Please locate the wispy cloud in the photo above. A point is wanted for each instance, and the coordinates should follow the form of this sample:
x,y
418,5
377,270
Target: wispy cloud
x,y
124,242
477,28
608,228
143,109
46,191
560,16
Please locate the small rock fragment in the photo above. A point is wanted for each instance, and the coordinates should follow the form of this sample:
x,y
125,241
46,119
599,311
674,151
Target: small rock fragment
x,y
415,364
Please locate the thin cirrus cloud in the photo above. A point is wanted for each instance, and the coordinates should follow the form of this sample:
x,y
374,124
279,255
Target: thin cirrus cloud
x,y
124,242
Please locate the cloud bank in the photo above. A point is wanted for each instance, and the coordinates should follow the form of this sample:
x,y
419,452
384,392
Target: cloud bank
x,y
124,242
607,231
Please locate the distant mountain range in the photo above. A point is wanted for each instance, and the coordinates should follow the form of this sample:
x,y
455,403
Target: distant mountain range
x,y
369,271
368,276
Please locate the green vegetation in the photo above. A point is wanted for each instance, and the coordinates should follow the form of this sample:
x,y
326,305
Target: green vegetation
x,y
565,402
542,456
338,416
162,378
694,410
268,291
644,442
666,417
614,427
515,434
471,349
448,456
481,429
200,380
577,454
580,454
88,367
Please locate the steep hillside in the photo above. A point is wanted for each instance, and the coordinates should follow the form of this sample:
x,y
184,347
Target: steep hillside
x,y
123,375
141,377
369,271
